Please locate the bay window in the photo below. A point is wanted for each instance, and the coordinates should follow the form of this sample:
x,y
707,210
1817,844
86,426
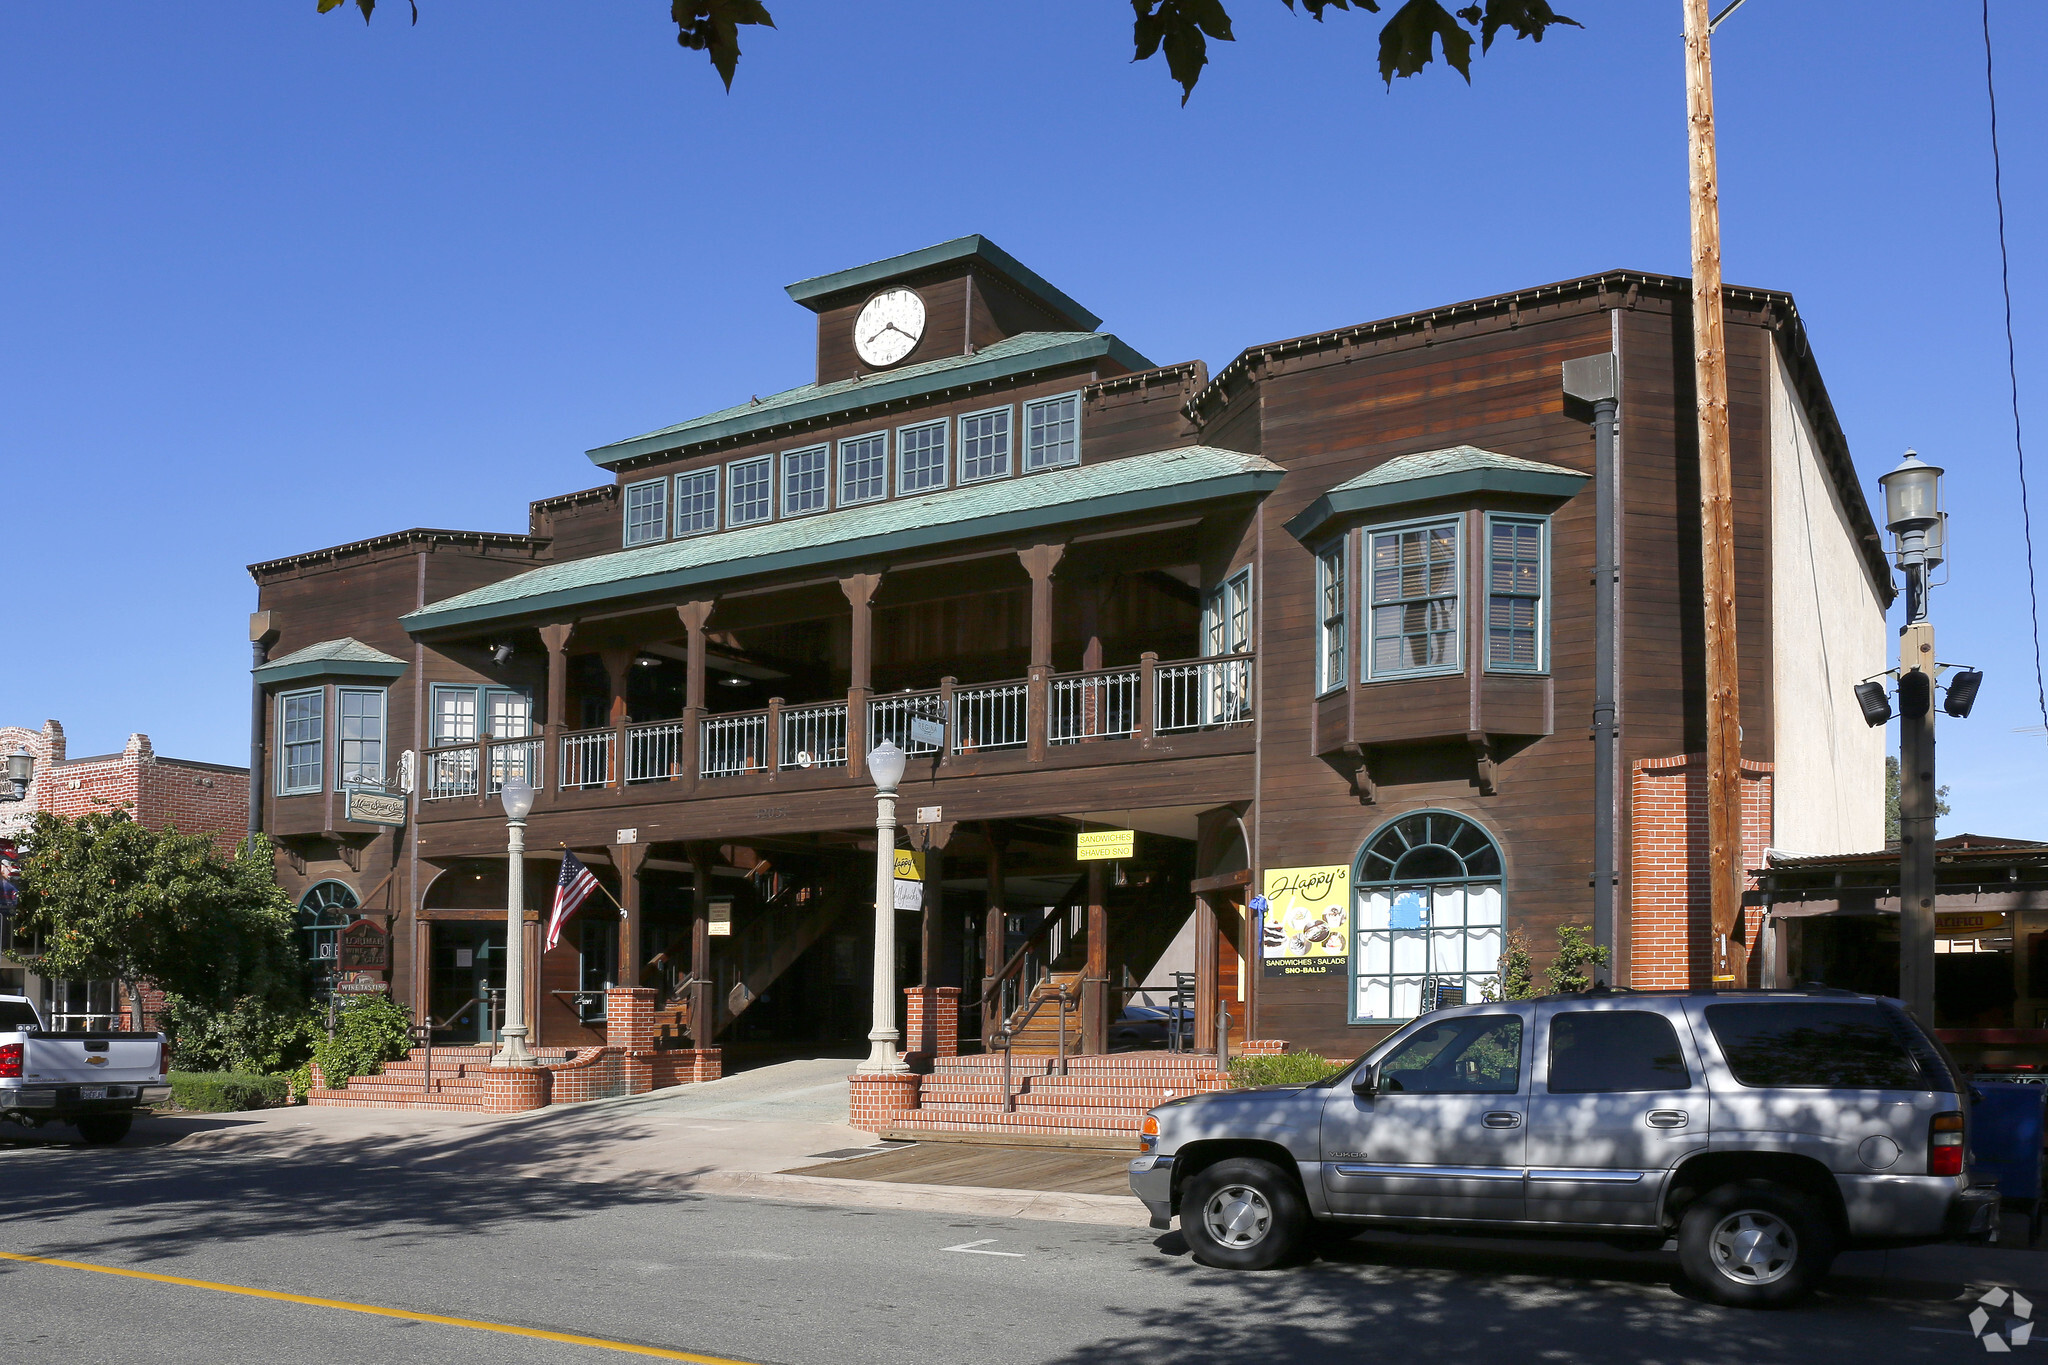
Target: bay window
x,y
1515,588
302,735
1413,600
362,736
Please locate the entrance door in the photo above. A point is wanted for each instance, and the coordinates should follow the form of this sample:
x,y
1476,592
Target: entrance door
x,y
463,993
1443,1137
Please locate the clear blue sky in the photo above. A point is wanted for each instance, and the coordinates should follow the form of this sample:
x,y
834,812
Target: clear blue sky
x,y
272,281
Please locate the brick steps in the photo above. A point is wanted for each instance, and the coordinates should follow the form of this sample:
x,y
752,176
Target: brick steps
x,y
1101,1101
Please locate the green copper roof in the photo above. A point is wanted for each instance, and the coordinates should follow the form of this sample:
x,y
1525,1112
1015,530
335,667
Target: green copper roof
x,y
1048,501
1437,474
1004,359
343,658
976,248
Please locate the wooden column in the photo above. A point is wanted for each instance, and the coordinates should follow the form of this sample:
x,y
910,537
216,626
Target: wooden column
x,y
860,595
941,961
694,616
1208,966
627,859
1040,561
618,667
1095,1008
994,938
703,1004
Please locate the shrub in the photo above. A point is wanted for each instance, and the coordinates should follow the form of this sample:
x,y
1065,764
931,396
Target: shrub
x,y
369,1031
1288,1068
251,1036
222,1092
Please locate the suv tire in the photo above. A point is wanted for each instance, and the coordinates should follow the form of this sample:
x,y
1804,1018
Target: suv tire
x,y
1755,1244
1243,1214
102,1130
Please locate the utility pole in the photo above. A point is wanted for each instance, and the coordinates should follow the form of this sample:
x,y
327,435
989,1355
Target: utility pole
x,y
1717,504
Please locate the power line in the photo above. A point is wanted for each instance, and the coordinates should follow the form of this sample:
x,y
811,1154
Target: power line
x,y
2012,367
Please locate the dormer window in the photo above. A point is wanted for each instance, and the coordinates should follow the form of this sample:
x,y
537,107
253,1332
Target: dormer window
x,y
750,488
1052,432
647,512
985,446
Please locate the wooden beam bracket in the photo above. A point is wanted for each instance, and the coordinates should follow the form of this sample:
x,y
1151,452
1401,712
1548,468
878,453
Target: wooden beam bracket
x,y
1353,756
1485,764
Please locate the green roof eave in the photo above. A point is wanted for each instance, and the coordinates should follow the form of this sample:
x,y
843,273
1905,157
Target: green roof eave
x,y
305,669
1338,502
877,390
972,248
1011,522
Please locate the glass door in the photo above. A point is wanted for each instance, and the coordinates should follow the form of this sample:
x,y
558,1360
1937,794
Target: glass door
x,y
464,990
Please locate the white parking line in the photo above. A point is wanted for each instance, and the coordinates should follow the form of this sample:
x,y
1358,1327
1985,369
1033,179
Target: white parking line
x,y
975,1249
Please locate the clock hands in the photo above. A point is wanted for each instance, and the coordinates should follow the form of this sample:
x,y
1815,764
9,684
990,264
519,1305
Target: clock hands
x,y
890,327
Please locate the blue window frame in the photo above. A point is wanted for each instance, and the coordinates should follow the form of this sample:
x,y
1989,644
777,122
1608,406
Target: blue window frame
x,y
921,458
1430,921
1517,583
985,445
864,468
1052,432
697,502
646,512
1412,606
1335,606
302,741
750,491
806,481
361,732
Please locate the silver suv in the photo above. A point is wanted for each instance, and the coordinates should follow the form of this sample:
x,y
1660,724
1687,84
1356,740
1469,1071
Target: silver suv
x,y
1766,1130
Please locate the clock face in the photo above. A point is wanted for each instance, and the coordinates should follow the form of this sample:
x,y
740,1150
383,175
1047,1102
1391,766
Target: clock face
x,y
888,327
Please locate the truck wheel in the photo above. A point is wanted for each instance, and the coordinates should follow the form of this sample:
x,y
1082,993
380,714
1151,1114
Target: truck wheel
x,y
101,1130
1755,1244
1243,1214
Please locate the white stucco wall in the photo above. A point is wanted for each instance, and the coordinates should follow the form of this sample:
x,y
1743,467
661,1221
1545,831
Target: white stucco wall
x,y
1828,633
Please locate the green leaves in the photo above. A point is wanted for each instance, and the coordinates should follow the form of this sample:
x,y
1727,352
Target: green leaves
x,y
1182,28
368,7
713,26
1408,42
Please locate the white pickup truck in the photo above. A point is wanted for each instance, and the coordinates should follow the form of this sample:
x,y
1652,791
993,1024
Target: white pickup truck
x,y
94,1081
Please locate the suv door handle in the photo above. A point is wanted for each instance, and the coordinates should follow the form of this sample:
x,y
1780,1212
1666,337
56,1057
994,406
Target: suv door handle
x,y
1668,1118
1503,1118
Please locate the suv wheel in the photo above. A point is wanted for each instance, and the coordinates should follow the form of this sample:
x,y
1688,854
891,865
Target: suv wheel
x,y
1755,1244
104,1129
1243,1214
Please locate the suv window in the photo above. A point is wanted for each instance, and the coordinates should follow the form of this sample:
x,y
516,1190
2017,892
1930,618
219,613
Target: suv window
x,y
1479,1054
1615,1050
1812,1046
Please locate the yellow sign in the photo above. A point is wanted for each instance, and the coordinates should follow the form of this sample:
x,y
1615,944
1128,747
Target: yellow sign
x,y
909,865
1967,921
1093,844
1305,920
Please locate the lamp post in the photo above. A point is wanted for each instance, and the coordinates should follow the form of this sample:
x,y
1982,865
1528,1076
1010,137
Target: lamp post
x,y
517,794
1912,507
885,765
21,768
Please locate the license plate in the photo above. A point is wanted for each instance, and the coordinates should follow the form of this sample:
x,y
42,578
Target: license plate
x,y
92,1092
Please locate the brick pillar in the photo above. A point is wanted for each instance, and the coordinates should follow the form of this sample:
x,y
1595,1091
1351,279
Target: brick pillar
x,y
515,1089
932,1021
878,1100
1671,936
630,1010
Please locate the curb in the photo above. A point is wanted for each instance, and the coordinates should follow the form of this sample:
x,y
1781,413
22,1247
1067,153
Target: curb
x,y
1106,1210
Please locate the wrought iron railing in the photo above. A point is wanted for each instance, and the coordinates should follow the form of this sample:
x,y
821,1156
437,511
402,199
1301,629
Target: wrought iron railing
x,y
513,758
732,745
654,752
1203,694
994,716
586,759
889,718
1098,705
446,774
814,736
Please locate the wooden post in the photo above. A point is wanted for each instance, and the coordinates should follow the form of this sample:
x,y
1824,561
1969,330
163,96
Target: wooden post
x,y
627,859
1148,696
1095,1006
860,595
1039,561
556,639
694,615
618,667
995,941
773,758
1207,967
703,1005
1717,505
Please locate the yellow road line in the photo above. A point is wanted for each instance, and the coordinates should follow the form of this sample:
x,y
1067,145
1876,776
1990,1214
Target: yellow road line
x,y
506,1329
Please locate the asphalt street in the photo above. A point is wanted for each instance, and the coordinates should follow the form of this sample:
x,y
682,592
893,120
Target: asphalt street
x,y
753,1280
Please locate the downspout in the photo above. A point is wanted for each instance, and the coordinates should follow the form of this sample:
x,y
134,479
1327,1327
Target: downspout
x,y
1594,380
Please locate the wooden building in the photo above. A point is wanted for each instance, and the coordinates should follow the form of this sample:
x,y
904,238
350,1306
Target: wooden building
x,y
1318,627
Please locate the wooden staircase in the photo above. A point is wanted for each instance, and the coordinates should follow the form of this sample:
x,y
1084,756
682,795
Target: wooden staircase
x,y
1099,1102
1039,1035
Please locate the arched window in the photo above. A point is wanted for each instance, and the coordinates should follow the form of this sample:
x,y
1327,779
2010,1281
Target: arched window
x,y
324,912
1429,916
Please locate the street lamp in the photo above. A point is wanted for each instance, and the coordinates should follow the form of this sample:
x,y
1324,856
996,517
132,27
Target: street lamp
x,y
1912,513
885,765
21,766
517,794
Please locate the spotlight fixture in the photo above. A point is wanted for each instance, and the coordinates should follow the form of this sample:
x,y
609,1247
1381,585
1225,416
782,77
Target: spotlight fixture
x,y
1962,691
647,661
1877,707
732,682
1916,694
500,653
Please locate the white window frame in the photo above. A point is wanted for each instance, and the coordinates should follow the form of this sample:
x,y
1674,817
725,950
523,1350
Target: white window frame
x,y
1368,634
839,461
1333,630
1009,412
945,429
732,517
1225,603
676,501
824,454
366,773
1029,465
1542,594
437,740
659,532
318,744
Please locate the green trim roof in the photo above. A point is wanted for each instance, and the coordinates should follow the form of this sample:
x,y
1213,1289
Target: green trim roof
x,y
1004,359
343,658
1437,474
812,292
1050,500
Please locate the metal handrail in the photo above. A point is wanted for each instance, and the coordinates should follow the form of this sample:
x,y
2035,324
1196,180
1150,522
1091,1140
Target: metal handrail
x,y
1006,1037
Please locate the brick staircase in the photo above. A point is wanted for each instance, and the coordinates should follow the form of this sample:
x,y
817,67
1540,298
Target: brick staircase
x,y
1099,1102
457,1084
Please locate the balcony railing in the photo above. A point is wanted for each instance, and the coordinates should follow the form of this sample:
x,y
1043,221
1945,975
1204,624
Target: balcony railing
x,y
587,759
446,774
889,718
733,745
993,716
1098,705
814,736
1204,694
654,753
510,759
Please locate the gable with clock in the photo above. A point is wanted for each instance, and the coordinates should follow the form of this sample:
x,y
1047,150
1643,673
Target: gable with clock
x,y
888,327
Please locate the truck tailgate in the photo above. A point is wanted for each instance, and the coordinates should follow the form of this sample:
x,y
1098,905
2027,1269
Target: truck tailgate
x,y
128,1058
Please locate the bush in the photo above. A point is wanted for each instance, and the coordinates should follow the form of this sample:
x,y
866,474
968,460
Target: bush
x,y
369,1031
223,1092
251,1036
1288,1068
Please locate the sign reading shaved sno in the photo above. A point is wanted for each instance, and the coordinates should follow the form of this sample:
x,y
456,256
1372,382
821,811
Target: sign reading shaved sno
x,y
1094,844
1305,929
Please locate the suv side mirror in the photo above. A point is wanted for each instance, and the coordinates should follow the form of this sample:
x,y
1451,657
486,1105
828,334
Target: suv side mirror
x,y
1367,1082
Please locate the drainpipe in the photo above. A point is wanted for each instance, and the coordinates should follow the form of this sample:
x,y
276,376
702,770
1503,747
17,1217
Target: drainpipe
x,y
261,637
1595,380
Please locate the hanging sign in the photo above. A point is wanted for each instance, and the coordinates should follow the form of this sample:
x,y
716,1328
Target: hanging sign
x,y
367,806
1305,927
365,947
930,732
1967,921
1092,845
909,879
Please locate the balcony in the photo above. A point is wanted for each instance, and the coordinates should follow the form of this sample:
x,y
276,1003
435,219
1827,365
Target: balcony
x,y
1150,710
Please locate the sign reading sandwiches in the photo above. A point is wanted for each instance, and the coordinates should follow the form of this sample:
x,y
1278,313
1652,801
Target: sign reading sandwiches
x,y
1305,920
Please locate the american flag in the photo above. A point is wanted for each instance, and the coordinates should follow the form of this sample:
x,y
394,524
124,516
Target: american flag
x,y
571,889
